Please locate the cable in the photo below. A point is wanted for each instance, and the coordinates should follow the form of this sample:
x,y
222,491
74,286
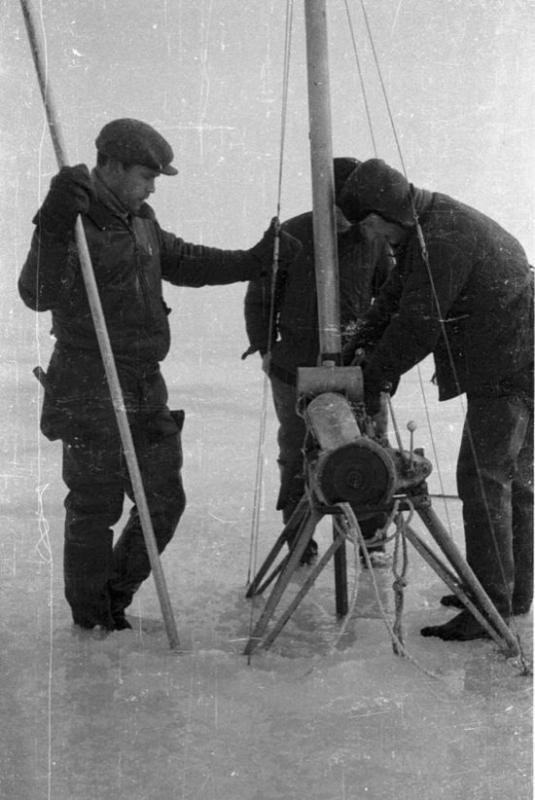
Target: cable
x,y
361,79
257,498
425,258
400,153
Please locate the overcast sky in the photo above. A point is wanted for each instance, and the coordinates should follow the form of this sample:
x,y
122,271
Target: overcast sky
x,y
208,74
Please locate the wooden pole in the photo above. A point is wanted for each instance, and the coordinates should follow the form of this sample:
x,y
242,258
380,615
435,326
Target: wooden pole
x,y
104,341
325,243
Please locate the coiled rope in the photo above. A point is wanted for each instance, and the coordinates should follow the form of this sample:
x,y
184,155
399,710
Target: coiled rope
x,y
348,524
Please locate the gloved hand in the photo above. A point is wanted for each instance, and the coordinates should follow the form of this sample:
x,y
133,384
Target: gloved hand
x,y
380,420
289,246
70,194
372,401
374,384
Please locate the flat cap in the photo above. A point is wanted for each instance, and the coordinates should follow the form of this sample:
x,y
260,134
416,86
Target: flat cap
x,y
134,142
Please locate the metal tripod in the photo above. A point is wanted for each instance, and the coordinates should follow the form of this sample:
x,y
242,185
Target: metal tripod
x,y
347,467
297,533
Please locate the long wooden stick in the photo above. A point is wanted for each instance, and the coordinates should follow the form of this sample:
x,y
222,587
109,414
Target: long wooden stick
x,y
104,341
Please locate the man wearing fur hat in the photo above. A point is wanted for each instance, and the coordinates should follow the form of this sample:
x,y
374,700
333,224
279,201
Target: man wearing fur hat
x,y
292,319
462,289
130,255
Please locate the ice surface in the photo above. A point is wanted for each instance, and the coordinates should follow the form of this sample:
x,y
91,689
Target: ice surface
x,y
125,718
128,718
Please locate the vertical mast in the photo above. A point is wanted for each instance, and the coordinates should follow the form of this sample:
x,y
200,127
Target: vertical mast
x,y
325,246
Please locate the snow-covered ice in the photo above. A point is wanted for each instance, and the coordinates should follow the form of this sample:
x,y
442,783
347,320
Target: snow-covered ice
x,y
312,718
126,717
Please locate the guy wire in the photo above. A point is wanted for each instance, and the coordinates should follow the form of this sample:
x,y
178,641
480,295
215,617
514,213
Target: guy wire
x,y
425,258
255,523
361,79
402,161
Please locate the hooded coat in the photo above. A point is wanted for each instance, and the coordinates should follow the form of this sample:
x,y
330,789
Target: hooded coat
x,y
468,299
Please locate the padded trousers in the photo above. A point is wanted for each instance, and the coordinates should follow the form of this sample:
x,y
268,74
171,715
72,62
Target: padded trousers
x,y
100,577
495,484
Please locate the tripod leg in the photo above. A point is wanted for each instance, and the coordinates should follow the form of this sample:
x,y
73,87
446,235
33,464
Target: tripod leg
x,y
450,579
452,553
303,537
340,574
288,532
338,541
259,589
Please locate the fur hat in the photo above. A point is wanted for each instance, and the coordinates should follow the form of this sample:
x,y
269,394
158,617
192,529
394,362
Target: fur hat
x,y
343,167
376,188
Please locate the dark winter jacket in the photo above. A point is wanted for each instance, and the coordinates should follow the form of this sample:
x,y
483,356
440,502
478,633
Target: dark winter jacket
x,y
295,340
130,255
471,304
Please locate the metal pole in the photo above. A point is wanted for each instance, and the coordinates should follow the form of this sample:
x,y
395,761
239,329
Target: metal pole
x,y
104,342
306,530
325,245
469,579
452,581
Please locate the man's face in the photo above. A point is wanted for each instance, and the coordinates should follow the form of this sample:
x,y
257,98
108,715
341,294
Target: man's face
x,y
132,184
378,228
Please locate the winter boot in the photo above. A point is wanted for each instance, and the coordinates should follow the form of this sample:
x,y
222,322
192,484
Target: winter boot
x,y
463,628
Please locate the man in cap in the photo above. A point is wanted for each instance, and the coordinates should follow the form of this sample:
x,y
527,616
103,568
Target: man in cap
x,y
131,255
462,289
292,320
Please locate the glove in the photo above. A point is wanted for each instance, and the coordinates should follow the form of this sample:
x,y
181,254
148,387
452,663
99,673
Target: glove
x,y
372,401
376,381
380,420
374,384
70,194
289,246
